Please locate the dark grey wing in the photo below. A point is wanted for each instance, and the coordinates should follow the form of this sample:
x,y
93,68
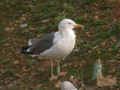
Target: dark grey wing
x,y
32,41
42,44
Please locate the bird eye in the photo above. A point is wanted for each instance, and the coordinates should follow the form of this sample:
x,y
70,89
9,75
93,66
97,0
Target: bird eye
x,y
69,23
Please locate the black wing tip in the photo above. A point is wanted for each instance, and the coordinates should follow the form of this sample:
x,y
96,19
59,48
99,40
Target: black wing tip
x,y
24,50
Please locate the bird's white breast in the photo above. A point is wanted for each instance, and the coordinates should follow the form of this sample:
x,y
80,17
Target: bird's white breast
x,y
63,46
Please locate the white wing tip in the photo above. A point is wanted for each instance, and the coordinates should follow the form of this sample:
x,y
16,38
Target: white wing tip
x,y
29,42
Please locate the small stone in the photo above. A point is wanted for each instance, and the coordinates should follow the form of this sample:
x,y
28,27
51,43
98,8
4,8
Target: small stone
x,y
23,25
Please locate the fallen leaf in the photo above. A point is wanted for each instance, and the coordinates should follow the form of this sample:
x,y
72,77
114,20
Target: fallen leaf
x,y
62,74
7,29
16,62
96,17
22,19
107,81
24,69
46,21
53,78
57,85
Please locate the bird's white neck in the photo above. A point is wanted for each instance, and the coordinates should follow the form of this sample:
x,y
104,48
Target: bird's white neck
x,y
67,33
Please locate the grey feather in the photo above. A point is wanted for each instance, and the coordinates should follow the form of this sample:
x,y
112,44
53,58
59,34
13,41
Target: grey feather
x,y
32,41
40,45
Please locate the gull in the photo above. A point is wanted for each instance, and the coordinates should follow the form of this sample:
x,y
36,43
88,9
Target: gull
x,y
66,85
55,45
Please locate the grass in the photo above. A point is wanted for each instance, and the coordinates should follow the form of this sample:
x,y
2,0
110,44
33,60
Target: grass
x,y
101,21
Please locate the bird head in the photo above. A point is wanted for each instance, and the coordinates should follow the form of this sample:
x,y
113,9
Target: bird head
x,y
68,24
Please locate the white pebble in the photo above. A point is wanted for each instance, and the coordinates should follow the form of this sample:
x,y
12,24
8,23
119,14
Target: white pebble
x,y
23,25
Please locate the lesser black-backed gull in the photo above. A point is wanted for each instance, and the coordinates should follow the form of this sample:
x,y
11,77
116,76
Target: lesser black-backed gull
x,y
55,45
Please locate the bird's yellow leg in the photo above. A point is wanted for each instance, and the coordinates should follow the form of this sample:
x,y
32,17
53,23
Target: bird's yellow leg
x,y
53,77
58,67
52,68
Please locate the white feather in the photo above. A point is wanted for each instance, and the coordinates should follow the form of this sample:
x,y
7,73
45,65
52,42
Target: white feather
x,y
66,85
64,43
29,42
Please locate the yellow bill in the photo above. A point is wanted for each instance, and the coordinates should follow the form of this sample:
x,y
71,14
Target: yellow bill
x,y
79,26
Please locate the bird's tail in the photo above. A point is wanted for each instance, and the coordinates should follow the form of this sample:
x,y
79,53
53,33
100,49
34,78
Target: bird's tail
x,y
24,50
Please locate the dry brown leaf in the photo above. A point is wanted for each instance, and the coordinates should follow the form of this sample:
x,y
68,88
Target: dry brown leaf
x,y
39,86
46,21
89,51
57,85
70,64
22,19
53,78
81,65
107,81
24,69
6,44
110,49
96,17
18,75
103,43
16,62
7,29
88,34
62,74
